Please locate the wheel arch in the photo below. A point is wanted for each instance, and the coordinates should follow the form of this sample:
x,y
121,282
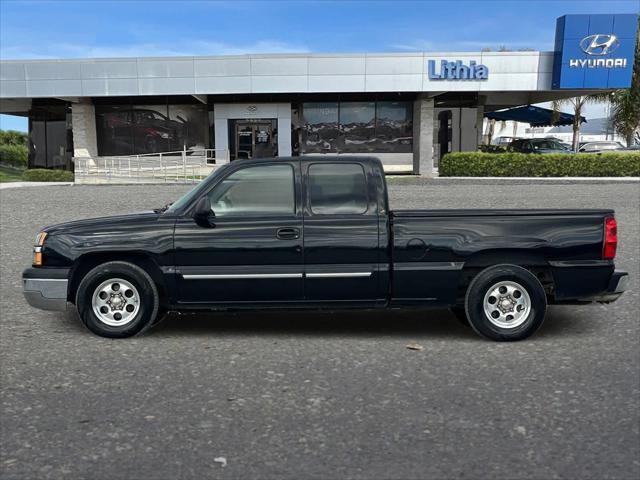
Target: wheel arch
x,y
533,261
88,261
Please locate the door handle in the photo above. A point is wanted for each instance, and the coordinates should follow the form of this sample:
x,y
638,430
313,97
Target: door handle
x,y
288,233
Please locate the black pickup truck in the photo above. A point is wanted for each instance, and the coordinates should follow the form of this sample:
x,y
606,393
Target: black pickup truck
x,y
317,233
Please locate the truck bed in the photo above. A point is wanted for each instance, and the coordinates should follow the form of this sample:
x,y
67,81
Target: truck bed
x,y
431,247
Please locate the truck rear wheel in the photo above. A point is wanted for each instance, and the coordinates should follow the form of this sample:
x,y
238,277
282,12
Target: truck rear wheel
x,y
117,300
505,303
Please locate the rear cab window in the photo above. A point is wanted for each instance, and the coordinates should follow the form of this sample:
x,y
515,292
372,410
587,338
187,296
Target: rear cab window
x,y
337,189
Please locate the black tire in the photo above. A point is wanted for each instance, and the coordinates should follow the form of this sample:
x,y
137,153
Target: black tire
x,y
523,325
460,315
148,302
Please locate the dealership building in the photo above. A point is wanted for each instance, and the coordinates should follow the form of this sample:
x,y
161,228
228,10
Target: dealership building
x,y
409,109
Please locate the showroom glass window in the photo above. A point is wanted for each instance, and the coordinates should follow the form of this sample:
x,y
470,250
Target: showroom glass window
x,y
267,190
337,188
394,127
357,127
151,128
321,132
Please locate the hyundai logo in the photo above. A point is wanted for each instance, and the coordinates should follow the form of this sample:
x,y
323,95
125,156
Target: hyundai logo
x,y
599,44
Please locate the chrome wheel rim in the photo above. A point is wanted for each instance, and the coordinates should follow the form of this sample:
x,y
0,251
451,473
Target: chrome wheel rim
x,y
507,304
115,302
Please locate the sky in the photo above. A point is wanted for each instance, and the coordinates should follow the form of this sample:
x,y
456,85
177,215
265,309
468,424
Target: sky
x,y
82,28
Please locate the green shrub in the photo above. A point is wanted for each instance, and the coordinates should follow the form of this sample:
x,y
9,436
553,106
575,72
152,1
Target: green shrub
x,y
44,175
11,137
14,155
492,148
514,164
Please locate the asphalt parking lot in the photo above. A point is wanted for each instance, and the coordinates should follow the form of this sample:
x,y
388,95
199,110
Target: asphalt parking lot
x,y
318,396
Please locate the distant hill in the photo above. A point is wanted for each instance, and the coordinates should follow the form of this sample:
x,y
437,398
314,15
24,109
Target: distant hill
x,y
594,126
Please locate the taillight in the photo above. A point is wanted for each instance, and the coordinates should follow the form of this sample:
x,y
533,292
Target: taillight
x,y
610,238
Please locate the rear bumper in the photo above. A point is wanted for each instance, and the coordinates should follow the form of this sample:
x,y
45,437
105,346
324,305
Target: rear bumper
x,y
613,289
581,281
46,288
617,286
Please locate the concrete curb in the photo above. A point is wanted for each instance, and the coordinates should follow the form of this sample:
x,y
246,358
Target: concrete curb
x,y
520,180
549,179
7,185
442,180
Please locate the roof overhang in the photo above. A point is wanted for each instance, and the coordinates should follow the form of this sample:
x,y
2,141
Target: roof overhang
x,y
288,73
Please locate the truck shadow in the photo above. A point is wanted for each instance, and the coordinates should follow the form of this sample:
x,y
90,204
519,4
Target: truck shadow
x,y
425,323
339,323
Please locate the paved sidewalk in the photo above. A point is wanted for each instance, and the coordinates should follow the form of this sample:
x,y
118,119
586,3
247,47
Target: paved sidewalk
x,y
6,185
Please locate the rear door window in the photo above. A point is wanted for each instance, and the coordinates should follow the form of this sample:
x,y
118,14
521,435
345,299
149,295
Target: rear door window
x,y
337,188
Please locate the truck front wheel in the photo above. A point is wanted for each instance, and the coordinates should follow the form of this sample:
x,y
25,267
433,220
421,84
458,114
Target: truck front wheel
x,y
117,300
505,303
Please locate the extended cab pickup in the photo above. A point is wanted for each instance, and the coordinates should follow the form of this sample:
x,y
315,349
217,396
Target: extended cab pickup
x,y
317,233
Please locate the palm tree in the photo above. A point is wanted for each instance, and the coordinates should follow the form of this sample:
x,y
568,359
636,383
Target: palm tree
x,y
625,104
578,104
625,113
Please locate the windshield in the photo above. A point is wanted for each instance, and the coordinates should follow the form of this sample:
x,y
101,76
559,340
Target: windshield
x,y
547,145
196,191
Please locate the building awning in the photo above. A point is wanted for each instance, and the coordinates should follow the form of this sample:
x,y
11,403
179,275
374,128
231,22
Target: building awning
x,y
534,116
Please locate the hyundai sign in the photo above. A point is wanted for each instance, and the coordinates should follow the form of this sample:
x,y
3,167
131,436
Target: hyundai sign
x,y
594,51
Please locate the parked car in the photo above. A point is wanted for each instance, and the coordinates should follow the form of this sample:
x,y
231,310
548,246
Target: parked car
x,y
561,142
504,141
318,233
600,146
538,145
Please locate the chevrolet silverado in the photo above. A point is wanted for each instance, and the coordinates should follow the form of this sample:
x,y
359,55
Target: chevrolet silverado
x,y
318,233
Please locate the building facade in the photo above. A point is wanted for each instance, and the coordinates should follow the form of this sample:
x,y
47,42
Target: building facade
x,y
409,109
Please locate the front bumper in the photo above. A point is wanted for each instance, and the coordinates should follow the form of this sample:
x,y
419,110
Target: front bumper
x,y
617,286
46,288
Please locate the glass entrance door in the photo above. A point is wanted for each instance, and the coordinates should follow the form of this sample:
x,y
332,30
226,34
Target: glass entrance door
x,y
244,141
254,140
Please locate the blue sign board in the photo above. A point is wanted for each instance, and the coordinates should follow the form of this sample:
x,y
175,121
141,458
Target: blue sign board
x,y
594,51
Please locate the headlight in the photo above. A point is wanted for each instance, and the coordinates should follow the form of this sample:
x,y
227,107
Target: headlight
x,y
37,249
164,135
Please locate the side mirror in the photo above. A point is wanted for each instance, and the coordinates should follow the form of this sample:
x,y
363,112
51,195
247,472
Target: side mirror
x,y
202,210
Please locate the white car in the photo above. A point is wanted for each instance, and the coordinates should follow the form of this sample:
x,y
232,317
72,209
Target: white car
x,y
593,147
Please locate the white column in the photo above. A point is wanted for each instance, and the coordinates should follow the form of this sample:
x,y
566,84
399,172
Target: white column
x,y
423,137
221,132
83,119
284,130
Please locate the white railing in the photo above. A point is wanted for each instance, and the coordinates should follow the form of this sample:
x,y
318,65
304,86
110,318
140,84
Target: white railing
x,y
182,166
